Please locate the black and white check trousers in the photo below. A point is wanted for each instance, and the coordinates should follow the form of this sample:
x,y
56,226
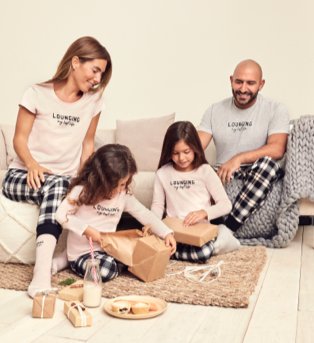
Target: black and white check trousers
x,y
48,197
258,179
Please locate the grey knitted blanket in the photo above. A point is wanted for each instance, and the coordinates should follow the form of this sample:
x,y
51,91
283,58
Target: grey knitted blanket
x,y
276,222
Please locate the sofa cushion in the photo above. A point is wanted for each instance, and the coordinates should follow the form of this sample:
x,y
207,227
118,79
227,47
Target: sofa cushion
x,y
144,137
143,186
18,223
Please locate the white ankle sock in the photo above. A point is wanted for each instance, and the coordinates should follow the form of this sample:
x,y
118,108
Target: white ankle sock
x,y
225,242
59,262
45,246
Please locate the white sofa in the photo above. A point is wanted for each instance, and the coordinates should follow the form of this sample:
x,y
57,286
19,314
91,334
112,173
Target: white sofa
x,y
18,220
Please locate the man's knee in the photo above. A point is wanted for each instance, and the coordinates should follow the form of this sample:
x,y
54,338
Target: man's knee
x,y
267,167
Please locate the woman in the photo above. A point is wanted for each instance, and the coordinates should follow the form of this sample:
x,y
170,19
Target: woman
x,y
54,135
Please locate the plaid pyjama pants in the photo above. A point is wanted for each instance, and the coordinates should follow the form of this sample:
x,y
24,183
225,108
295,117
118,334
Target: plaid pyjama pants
x,y
258,180
48,197
190,253
108,266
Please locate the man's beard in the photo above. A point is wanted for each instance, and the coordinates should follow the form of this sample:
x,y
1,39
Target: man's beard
x,y
251,100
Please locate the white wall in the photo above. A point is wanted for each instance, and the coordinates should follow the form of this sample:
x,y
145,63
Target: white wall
x,y
168,55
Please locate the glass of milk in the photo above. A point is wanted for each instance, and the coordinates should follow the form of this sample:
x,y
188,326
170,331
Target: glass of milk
x,y
92,284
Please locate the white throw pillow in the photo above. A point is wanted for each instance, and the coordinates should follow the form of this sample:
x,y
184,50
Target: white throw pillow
x,y
18,223
144,137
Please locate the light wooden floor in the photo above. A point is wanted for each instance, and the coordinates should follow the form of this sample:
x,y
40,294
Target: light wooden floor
x,y
281,310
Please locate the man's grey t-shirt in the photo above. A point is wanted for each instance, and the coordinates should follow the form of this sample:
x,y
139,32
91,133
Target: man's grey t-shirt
x,y
237,130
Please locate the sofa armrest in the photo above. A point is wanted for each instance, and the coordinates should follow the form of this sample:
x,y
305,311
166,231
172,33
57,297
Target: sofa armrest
x,y
6,145
3,151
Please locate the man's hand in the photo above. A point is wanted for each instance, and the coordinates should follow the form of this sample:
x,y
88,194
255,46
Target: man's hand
x,y
226,170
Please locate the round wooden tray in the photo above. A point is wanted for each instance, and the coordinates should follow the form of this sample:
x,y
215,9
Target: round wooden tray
x,y
160,304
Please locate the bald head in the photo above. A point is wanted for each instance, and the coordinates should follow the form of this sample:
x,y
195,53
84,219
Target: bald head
x,y
251,65
246,82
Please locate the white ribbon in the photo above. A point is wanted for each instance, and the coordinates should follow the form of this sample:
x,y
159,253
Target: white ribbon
x,y
45,293
80,308
43,305
191,273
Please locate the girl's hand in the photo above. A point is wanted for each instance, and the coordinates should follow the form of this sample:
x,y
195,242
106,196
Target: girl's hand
x,y
171,242
93,234
195,217
35,175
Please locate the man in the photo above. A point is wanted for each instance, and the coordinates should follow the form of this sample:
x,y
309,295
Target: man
x,y
250,134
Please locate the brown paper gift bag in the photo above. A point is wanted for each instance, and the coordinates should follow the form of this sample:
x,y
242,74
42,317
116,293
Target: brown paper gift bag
x,y
145,254
44,305
197,234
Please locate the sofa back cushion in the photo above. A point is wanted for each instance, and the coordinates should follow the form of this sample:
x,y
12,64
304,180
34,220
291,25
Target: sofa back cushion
x,y
104,136
144,137
210,153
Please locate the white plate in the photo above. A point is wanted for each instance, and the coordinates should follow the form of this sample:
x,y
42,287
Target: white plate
x,y
160,305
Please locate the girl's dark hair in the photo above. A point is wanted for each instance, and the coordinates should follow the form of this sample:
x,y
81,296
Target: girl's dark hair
x,y
186,131
102,172
86,49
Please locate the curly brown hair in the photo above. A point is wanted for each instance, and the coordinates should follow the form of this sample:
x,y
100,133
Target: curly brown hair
x,y
102,172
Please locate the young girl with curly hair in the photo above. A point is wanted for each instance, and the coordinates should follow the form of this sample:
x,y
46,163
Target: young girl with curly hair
x,y
94,204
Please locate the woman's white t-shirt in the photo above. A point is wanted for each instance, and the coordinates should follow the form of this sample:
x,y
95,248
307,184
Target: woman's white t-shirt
x,y
59,128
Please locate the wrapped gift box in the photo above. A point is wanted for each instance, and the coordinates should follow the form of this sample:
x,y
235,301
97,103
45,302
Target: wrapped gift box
x,y
197,234
150,259
44,305
77,313
145,254
72,292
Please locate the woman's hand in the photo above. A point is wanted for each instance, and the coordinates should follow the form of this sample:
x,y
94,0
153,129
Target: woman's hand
x,y
93,234
24,125
35,175
195,217
171,242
